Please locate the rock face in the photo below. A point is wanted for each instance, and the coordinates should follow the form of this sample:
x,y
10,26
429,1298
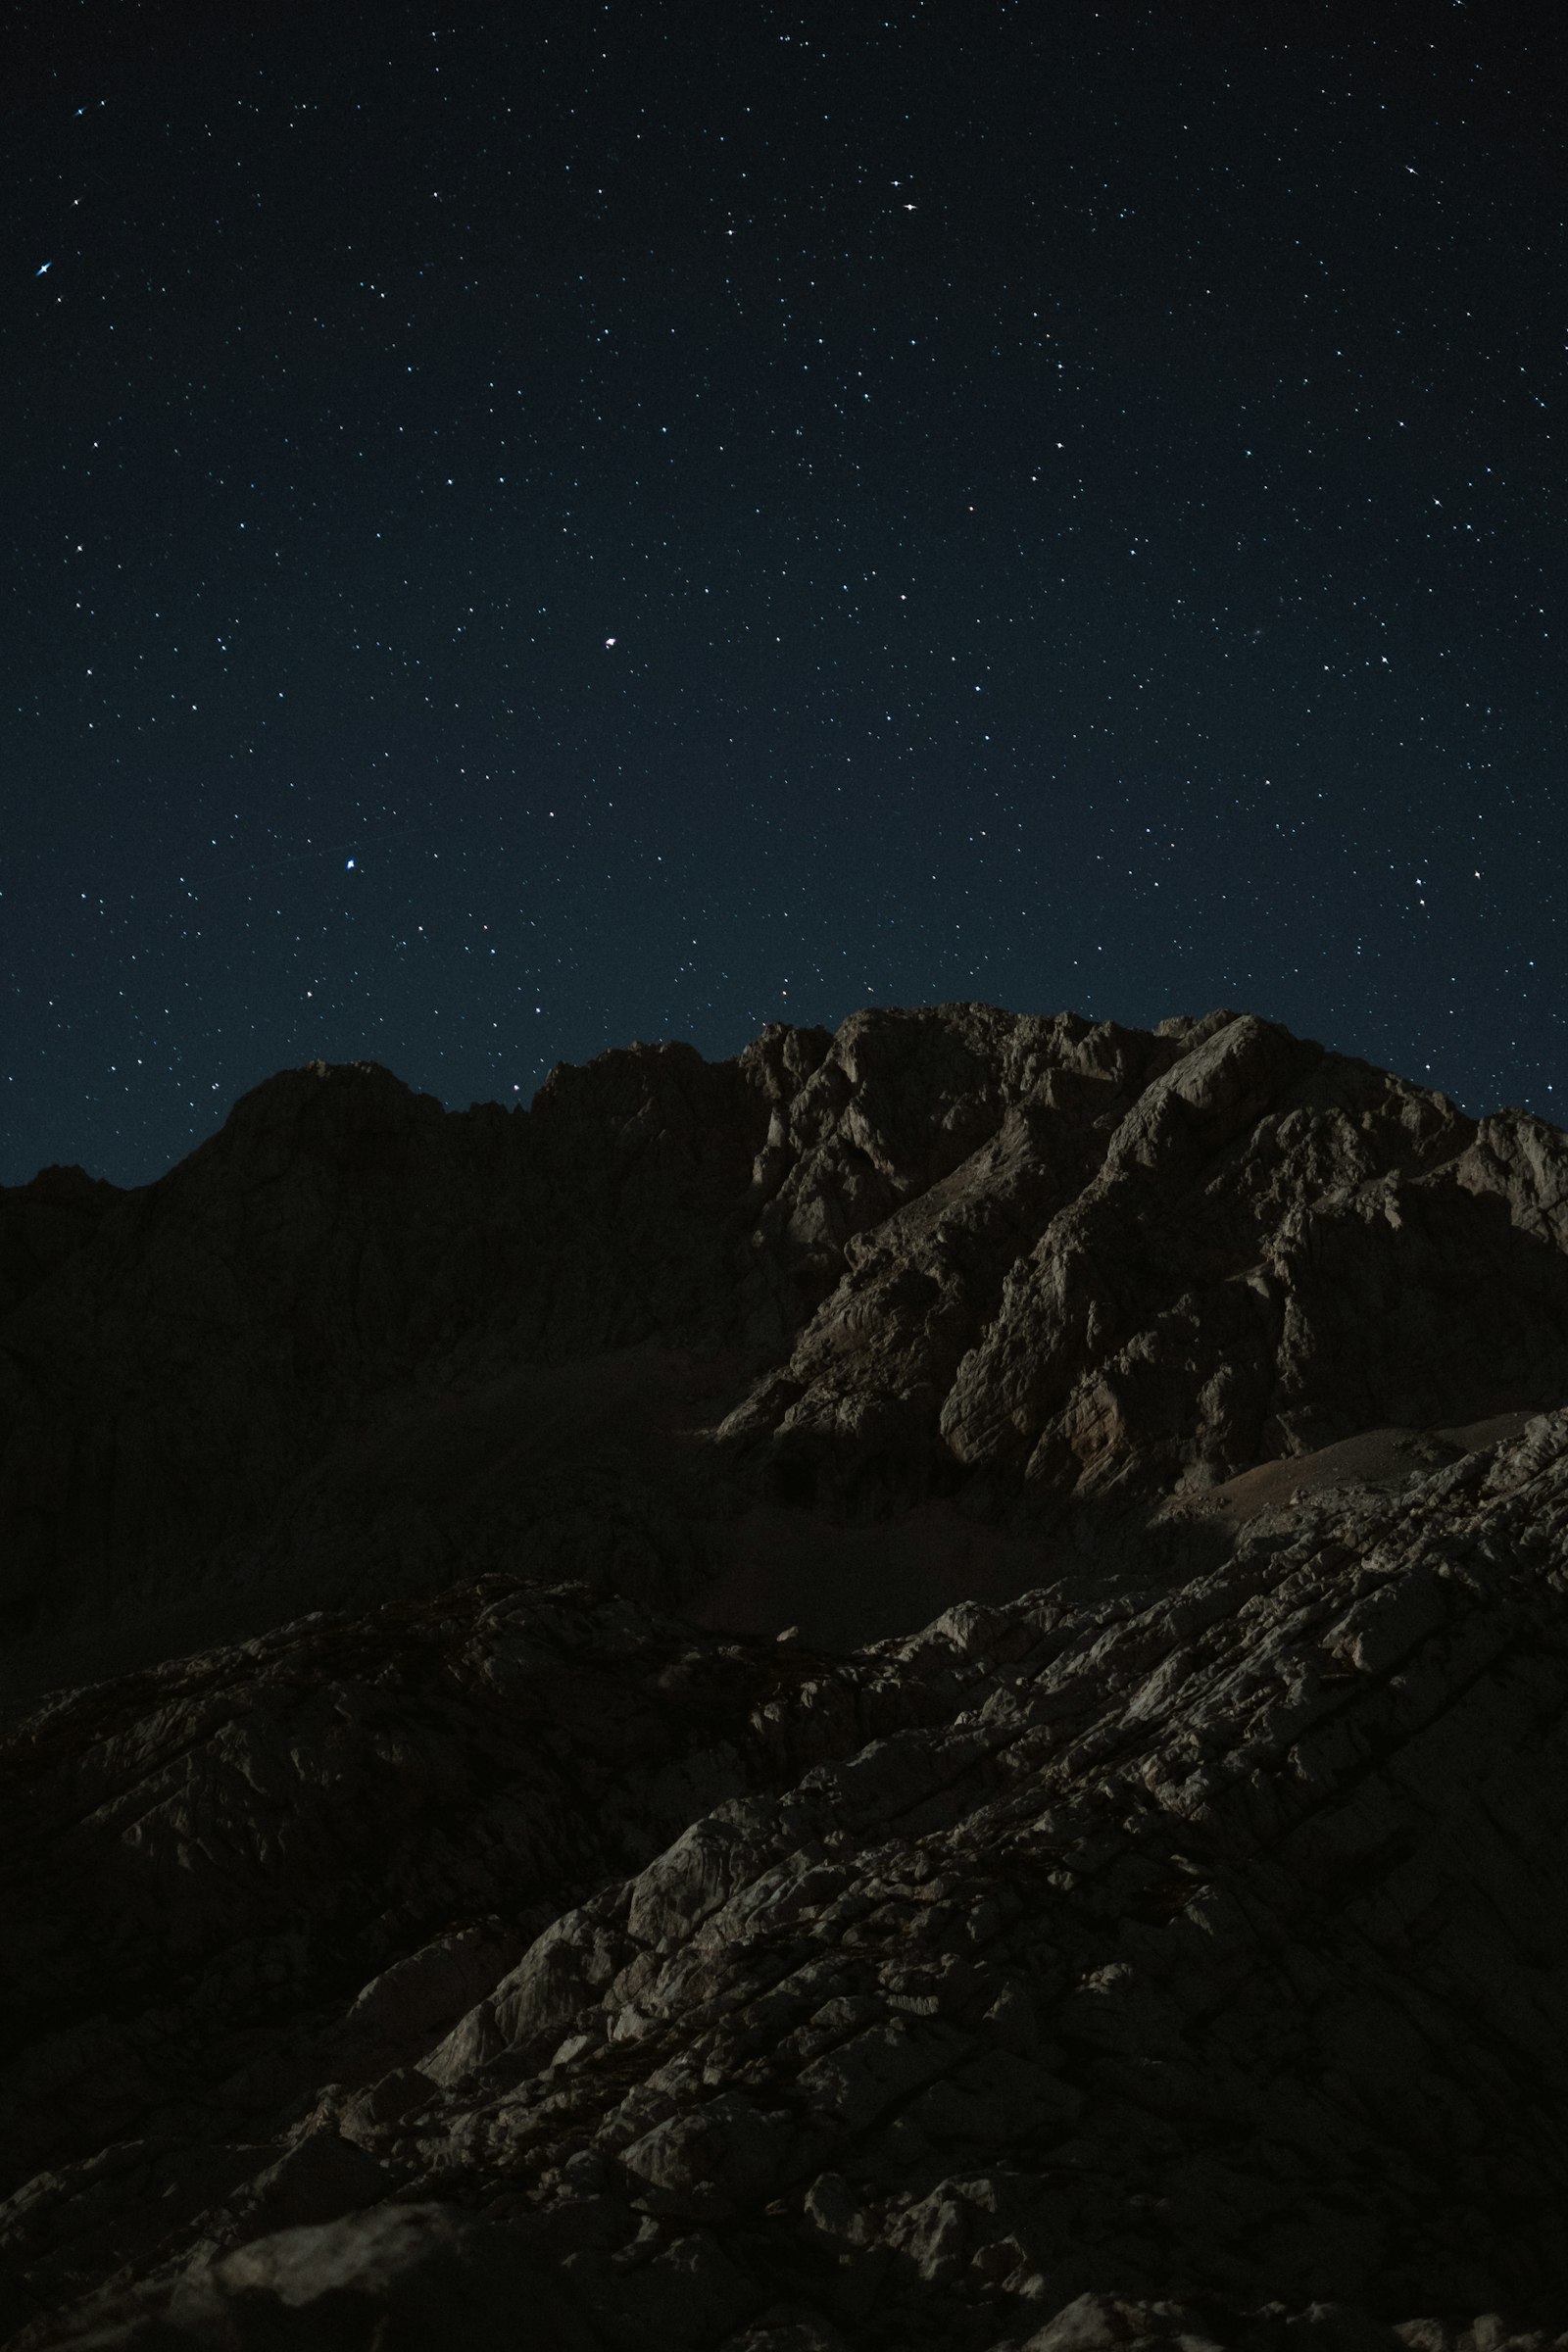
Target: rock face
x,y
355,1347
1185,1962
442,1925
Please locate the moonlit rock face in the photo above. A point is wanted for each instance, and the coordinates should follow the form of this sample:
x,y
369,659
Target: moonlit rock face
x,y
1055,1267
902,1985
906,1689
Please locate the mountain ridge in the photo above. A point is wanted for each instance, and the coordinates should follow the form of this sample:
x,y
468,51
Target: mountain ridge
x,y
907,1691
1037,1266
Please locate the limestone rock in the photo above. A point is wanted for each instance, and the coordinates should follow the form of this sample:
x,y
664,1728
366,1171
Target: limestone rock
x,y
356,1347
1175,1962
405,2277
440,1905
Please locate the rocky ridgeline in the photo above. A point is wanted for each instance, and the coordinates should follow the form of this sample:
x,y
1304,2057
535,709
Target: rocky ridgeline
x,y
1180,1966
427,1922
355,1347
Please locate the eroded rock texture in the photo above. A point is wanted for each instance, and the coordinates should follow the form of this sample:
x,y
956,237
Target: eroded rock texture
x,y
357,1347
1185,1963
428,1920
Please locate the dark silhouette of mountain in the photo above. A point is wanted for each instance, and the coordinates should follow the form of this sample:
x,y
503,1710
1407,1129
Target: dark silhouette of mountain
x,y
906,1690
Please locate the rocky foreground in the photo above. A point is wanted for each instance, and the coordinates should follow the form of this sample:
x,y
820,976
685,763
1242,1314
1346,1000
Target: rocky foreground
x,y
1182,1964
459,1918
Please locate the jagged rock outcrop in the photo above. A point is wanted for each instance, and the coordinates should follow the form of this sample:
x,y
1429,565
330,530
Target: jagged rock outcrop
x,y
439,1909
1177,1255
1164,1960
355,1347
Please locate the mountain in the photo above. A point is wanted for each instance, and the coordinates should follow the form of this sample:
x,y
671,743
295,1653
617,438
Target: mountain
x,y
1008,1274
907,1691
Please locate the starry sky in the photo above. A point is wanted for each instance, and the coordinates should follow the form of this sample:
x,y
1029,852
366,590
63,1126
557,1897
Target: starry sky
x,y
530,529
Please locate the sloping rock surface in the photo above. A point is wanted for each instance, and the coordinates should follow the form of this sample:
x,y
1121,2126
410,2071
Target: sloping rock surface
x,y
438,1910
1178,1962
357,1347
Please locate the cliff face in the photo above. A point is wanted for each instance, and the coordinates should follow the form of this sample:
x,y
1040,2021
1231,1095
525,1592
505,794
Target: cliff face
x,y
1129,1263
444,1922
355,1347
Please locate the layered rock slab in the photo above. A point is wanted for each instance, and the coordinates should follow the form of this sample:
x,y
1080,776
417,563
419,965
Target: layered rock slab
x,y
1172,1962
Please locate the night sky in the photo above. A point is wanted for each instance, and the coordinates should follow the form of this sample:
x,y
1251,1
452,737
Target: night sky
x,y
532,527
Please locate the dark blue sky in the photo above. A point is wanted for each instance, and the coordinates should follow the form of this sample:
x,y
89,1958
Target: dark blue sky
x,y
533,528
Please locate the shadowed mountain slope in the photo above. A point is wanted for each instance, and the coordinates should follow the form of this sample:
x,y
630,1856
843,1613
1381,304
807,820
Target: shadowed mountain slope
x,y
909,1691
1034,1271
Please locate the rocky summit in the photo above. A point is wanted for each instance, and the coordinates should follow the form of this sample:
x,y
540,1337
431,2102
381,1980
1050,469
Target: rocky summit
x,y
907,1692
